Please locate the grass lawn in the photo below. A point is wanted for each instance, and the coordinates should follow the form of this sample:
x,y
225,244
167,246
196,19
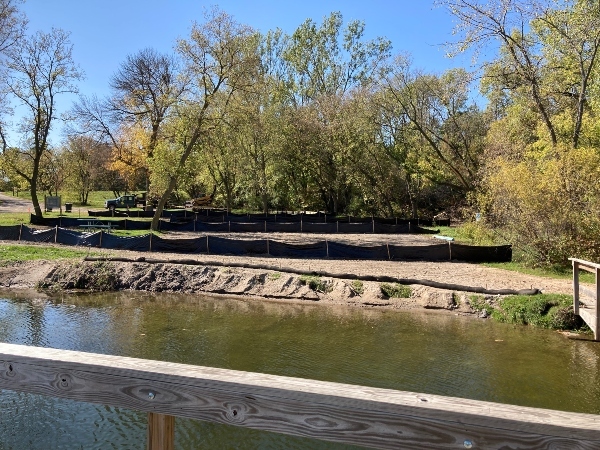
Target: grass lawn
x,y
12,253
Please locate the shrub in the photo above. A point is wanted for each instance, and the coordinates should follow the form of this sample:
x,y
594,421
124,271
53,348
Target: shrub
x,y
479,304
273,276
358,287
315,283
395,290
546,202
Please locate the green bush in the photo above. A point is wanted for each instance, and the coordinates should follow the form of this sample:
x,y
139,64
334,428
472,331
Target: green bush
x,y
395,290
315,283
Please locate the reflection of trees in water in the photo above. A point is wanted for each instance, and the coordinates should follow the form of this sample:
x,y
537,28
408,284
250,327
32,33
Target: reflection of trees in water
x,y
585,359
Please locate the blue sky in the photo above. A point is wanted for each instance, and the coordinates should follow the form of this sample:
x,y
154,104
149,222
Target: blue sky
x,y
104,32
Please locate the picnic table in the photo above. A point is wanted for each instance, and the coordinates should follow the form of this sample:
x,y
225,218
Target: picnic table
x,y
93,223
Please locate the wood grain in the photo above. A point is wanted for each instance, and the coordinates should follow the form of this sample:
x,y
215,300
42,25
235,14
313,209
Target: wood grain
x,y
371,417
161,432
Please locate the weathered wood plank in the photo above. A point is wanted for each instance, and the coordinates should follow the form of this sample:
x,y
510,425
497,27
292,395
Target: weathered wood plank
x,y
372,417
585,264
161,432
589,316
588,292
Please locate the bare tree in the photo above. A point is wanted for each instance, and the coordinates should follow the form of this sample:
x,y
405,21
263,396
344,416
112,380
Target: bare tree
x,y
145,87
144,90
41,68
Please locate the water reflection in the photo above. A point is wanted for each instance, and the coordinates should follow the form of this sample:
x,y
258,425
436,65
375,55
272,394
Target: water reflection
x,y
431,353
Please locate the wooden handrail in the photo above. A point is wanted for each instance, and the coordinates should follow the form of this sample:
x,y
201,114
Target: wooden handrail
x,y
590,316
371,417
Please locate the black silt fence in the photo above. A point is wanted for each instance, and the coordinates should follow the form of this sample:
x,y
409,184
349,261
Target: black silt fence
x,y
135,243
310,250
347,251
11,233
177,226
472,253
188,246
439,252
225,246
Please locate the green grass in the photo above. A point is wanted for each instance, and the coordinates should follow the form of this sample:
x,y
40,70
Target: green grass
x,y
395,290
472,234
14,253
565,273
315,283
358,287
544,310
479,304
14,219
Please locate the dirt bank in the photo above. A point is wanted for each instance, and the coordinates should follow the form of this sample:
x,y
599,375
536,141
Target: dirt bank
x,y
283,284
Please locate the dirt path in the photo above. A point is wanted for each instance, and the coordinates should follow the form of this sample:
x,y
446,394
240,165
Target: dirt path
x,y
10,204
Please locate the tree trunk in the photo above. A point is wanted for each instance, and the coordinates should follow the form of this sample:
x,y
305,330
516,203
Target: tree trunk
x,y
162,202
33,184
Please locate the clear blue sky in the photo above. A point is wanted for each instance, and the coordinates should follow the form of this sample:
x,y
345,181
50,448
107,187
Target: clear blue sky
x,y
104,32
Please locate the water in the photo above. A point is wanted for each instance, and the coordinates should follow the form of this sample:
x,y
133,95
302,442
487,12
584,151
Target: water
x,y
422,352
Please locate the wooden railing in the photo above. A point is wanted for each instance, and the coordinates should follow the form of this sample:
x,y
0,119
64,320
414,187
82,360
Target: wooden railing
x,y
589,310
371,417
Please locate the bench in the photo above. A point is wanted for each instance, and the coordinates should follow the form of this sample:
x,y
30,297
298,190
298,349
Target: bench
x,y
97,224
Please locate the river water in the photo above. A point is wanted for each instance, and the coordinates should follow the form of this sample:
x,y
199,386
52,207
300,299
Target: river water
x,y
422,352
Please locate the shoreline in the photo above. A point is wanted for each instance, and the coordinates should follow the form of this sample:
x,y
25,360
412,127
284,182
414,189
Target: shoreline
x,y
227,277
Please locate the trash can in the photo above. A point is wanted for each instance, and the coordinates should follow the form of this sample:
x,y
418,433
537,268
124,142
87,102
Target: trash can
x,y
68,207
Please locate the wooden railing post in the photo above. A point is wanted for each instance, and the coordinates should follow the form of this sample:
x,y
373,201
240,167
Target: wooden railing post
x,y
591,312
597,330
161,432
576,288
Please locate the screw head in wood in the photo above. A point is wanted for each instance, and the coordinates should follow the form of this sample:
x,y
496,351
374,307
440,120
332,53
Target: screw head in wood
x,y
151,395
468,444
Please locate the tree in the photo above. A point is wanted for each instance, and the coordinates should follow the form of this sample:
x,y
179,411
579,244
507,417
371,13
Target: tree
x,y
327,63
482,23
145,89
548,50
12,29
219,60
12,24
41,68
85,161
451,130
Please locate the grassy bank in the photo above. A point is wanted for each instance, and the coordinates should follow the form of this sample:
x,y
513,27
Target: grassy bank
x,y
553,311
